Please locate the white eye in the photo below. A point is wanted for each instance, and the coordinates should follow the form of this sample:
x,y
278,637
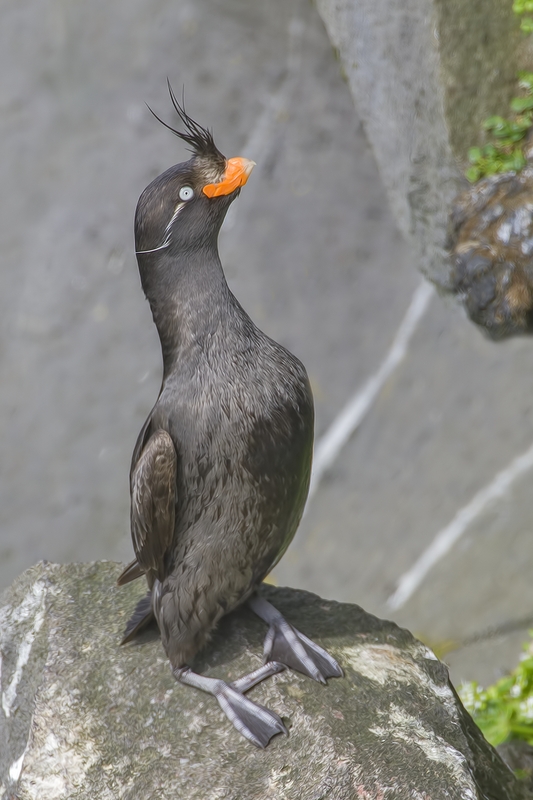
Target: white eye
x,y
186,193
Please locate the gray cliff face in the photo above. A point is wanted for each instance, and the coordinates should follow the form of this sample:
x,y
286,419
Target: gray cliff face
x,y
424,76
82,717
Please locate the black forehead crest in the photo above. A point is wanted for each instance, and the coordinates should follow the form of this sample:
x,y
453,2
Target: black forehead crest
x,y
200,140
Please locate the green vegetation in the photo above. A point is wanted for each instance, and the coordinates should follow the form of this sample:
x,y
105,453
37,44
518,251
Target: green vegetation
x,y
505,150
504,711
522,7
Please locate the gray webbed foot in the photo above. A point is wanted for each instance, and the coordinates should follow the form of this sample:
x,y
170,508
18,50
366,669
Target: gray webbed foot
x,y
255,722
285,644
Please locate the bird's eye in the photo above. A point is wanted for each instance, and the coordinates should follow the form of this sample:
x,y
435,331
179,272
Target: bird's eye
x,y
186,193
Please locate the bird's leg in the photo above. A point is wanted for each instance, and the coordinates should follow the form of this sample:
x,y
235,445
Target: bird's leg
x,y
285,644
253,678
254,721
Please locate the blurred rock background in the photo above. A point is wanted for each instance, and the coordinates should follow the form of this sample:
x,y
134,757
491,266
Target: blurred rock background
x,y
311,251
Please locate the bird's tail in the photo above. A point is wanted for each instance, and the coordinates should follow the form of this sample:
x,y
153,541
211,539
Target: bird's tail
x,y
140,619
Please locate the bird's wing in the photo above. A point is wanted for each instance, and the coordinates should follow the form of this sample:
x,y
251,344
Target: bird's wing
x,y
130,573
153,502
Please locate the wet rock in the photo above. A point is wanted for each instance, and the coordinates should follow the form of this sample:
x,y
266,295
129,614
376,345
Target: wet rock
x,y
82,717
492,247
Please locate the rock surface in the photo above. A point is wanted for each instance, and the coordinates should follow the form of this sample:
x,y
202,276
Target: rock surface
x,y
424,76
492,247
84,718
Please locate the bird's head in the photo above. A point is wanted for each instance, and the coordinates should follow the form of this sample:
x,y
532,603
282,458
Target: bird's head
x,y
182,209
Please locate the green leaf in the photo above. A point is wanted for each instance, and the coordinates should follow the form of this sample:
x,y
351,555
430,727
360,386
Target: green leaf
x,y
523,6
474,154
504,710
473,174
503,132
526,25
495,731
522,123
493,122
498,126
526,79
516,137
522,731
520,104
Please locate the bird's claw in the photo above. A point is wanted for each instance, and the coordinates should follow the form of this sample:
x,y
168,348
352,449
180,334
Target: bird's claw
x,y
292,648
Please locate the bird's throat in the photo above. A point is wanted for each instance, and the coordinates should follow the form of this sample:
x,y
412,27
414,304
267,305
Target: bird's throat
x,y
188,296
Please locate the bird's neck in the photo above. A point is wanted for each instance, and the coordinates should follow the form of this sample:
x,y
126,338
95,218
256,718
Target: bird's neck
x,y
189,298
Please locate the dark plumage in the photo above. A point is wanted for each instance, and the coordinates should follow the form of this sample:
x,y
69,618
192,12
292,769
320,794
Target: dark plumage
x,y
221,468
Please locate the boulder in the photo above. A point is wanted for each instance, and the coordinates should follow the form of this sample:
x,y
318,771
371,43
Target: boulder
x,y
491,238
83,717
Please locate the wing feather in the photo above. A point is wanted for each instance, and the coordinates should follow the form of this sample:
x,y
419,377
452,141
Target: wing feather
x,y
130,573
153,502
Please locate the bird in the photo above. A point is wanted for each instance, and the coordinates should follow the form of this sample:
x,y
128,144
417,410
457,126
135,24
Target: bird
x,y
220,470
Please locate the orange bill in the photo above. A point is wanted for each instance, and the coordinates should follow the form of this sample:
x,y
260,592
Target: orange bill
x,y
236,174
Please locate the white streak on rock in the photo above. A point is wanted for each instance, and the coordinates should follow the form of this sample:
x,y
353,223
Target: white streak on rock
x,y
63,749
446,538
346,423
33,604
376,662
16,767
386,664
407,728
383,663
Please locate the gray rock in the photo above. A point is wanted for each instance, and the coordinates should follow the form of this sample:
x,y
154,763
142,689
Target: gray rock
x,y
491,237
84,718
424,76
